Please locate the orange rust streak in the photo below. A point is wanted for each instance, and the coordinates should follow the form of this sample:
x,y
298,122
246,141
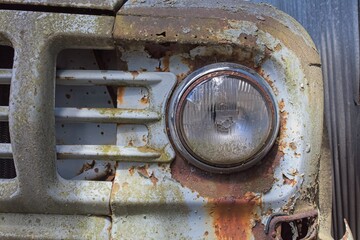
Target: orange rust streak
x,y
288,181
115,189
144,100
134,74
131,171
143,171
154,179
234,218
120,95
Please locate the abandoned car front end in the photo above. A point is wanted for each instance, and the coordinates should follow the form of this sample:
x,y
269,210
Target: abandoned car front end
x,y
166,120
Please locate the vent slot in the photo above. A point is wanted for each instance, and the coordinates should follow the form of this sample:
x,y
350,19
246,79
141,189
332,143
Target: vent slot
x,y
7,167
107,116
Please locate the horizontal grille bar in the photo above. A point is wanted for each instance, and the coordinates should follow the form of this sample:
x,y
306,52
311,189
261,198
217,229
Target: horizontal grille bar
x,y
95,77
105,152
5,151
98,115
4,114
95,152
105,115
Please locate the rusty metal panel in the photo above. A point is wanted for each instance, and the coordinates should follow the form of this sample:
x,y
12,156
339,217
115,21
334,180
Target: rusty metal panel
x,y
191,203
111,5
37,38
43,226
334,27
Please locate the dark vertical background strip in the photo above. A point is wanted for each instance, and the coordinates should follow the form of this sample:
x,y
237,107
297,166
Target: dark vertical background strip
x,y
334,27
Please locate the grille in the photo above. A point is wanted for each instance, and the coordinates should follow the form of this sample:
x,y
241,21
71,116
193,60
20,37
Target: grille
x,y
157,148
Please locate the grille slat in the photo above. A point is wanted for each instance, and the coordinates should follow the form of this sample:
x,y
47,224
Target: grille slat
x,y
105,115
106,152
4,113
95,77
98,115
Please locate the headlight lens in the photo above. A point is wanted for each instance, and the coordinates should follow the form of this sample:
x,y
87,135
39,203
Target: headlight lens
x,y
223,117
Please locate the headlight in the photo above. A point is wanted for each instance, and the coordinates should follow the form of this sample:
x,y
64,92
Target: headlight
x,y
223,117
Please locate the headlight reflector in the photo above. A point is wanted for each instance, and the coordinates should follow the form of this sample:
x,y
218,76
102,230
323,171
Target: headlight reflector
x,y
223,117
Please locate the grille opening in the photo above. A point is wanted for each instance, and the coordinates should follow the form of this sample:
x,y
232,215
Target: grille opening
x,y
7,166
88,129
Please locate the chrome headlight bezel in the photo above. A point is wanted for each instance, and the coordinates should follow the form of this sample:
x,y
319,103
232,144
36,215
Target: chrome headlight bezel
x,y
199,76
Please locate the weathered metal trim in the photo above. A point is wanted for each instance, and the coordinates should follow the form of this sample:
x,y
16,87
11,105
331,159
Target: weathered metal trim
x,y
111,5
98,115
107,152
37,38
105,115
98,77
38,226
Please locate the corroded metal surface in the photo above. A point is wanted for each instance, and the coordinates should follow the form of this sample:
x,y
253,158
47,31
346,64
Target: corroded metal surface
x,y
111,5
165,201
37,38
259,37
275,222
42,226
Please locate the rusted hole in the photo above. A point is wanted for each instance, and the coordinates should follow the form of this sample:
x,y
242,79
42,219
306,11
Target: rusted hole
x,y
300,229
298,226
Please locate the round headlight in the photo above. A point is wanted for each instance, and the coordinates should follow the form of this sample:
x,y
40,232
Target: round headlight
x,y
223,117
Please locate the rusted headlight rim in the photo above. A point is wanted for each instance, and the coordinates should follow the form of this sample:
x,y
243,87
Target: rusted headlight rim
x,y
203,74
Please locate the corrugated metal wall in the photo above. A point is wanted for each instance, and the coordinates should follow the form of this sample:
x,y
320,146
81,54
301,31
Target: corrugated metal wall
x,y
334,26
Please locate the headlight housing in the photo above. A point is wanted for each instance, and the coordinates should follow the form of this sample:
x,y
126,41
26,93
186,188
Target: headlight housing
x,y
223,118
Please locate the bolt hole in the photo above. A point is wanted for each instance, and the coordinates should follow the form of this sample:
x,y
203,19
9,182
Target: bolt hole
x,y
163,34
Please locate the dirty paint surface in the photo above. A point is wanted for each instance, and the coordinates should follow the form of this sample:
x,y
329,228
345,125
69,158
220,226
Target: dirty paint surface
x,y
169,201
238,204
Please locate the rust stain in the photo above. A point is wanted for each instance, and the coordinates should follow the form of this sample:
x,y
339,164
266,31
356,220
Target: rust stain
x,y
234,218
120,95
211,185
283,125
146,149
142,171
292,145
288,181
134,74
153,179
278,47
111,176
87,166
115,189
144,100
131,171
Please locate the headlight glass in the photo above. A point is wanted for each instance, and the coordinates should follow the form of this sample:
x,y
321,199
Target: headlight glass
x,y
224,117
